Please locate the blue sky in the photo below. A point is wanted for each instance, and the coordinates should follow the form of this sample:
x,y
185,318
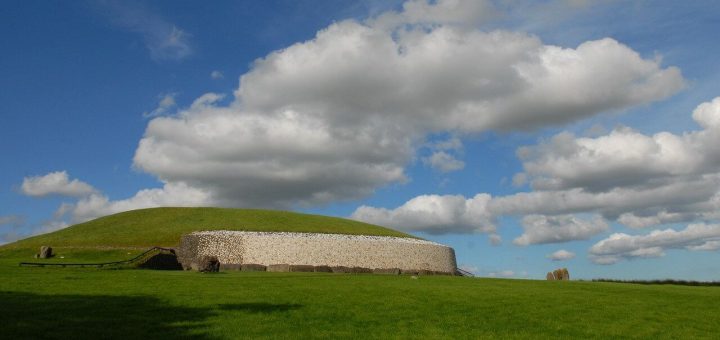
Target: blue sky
x,y
511,131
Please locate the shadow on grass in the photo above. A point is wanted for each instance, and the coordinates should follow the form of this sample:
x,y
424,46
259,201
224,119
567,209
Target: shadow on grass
x,y
259,307
33,316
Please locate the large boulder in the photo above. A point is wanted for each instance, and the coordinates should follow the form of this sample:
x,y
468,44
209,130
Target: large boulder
x,y
45,252
566,274
550,276
209,264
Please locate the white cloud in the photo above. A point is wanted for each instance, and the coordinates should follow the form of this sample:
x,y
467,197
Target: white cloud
x,y
561,255
433,214
625,176
444,162
707,246
216,75
170,195
163,39
621,246
495,239
338,116
165,106
502,273
55,183
541,229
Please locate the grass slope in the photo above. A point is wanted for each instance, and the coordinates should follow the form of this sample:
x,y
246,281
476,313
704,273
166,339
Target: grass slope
x,y
164,227
129,304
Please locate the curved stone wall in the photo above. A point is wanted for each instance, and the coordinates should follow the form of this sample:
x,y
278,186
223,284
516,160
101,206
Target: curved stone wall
x,y
270,248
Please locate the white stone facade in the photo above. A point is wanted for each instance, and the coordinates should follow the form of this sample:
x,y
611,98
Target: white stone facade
x,y
268,248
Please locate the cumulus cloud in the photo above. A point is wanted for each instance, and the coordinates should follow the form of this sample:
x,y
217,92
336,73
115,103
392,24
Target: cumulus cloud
x,y
216,75
635,179
170,195
640,180
433,214
165,106
495,239
541,229
443,162
561,255
621,246
335,117
55,183
163,39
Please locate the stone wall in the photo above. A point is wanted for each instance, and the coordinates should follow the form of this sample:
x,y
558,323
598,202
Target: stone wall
x,y
333,250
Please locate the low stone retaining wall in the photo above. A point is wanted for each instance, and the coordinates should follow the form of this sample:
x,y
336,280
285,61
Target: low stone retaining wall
x,y
235,248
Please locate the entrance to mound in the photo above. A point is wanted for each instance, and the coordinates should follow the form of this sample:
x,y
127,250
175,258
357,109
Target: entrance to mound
x,y
161,261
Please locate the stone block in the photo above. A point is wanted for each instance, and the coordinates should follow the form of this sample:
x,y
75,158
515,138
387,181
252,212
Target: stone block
x,y
360,270
340,269
252,267
278,268
323,269
229,266
304,268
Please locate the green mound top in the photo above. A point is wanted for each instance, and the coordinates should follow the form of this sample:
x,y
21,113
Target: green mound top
x,y
164,227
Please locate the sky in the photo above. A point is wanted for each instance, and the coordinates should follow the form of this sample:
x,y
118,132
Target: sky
x,y
528,136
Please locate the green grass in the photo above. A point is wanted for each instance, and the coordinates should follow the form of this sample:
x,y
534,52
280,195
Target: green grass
x,y
127,304
164,226
124,304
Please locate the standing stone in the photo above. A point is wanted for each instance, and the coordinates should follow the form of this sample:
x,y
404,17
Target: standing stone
x,y
45,252
566,274
550,276
209,264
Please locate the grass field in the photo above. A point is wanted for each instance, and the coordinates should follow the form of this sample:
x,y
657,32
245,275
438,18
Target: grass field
x,y
164,226
95,303
72,303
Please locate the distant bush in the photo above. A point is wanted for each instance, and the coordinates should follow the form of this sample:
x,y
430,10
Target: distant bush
x,y
662,282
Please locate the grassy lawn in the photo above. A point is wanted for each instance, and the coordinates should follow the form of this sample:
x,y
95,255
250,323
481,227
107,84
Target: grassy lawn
x,y
164,226
95,303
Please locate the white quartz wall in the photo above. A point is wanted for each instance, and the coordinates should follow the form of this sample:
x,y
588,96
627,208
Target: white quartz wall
x,y
267,248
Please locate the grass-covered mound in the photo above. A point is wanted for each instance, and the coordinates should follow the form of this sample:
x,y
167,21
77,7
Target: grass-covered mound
x,y
164,227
